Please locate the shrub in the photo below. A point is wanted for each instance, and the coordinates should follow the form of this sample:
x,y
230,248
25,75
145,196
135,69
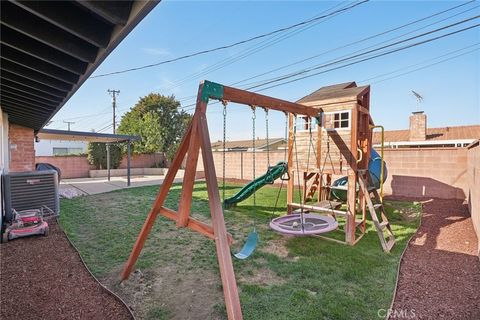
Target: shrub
x,y
97,155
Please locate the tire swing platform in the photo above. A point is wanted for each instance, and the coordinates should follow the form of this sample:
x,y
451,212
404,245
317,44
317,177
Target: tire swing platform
x,y
303,224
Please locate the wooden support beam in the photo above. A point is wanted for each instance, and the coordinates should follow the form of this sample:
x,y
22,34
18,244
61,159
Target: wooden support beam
x,y
28,61
291,181
30,109
13,91
32,92
157,205
32,26
194,224
34,75
115,12
230,290
79,23
33,84
191,165
255,99
41,51
27,101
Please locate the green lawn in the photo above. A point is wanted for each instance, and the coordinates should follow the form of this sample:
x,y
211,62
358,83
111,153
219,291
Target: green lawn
x,y
286,278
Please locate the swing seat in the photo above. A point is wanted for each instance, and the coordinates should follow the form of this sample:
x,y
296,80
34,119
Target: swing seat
x,y
312,224
249,246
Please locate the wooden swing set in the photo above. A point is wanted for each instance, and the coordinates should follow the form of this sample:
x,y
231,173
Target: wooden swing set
x,y
197,137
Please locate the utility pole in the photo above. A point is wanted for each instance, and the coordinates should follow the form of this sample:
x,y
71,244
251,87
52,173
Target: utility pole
x,y
114,94
68,123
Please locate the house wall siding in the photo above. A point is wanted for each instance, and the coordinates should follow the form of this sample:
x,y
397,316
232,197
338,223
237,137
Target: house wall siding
x,y
21,145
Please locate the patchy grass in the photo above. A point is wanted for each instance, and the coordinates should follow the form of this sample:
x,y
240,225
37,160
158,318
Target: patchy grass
x,y
286,278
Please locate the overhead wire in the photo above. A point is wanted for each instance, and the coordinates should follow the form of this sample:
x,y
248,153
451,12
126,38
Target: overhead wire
x,y
264,35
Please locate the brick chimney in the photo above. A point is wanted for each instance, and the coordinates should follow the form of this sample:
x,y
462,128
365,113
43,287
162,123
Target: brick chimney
x,y
418,126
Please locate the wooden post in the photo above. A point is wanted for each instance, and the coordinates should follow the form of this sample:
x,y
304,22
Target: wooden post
x,y
230,290
352,182
185,203
161,196
291,181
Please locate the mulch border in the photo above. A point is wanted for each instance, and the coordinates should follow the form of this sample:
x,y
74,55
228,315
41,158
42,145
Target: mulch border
x,y
91,274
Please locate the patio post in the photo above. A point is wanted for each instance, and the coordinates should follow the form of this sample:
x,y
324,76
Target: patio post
x,y
108,161
128,162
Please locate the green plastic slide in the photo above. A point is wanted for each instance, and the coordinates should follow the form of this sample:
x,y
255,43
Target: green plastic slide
x,y
273,173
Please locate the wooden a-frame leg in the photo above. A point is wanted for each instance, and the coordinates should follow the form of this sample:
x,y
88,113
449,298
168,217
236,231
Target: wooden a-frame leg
x,y
161,196
230,290
189,175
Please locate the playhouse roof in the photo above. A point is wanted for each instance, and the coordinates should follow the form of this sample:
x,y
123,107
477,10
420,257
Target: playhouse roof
x,y
341,92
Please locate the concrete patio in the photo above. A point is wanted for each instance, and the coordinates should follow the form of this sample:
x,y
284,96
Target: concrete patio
x,y
70,188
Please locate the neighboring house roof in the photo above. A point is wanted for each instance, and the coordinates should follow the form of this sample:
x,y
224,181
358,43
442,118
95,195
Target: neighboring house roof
x,y
246,144
433,134
49,48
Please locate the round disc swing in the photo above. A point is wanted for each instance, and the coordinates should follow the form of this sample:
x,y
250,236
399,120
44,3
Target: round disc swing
x,y
301,223
252,239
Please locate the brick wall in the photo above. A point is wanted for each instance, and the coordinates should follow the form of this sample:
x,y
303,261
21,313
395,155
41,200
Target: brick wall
x,y
71,166
78,166
440,173
21,145
473,194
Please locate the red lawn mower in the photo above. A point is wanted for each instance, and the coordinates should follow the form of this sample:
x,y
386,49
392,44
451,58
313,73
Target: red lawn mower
x,y
28,223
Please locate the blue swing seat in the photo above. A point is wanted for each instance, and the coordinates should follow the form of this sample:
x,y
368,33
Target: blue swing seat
x,y
248,247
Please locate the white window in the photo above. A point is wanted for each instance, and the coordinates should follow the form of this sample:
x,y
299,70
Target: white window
x,y
338,120
66,151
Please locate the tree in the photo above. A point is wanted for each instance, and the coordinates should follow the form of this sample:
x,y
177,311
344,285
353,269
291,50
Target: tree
x,y
157,119
97,155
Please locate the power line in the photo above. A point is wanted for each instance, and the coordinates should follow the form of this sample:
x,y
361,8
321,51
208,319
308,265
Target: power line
x,y
360,60
368,38
252,50
426,66
297,73
358,41
302,23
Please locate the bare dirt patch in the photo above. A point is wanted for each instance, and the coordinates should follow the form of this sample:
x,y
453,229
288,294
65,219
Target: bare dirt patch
x,y
278,248
261,276
181,294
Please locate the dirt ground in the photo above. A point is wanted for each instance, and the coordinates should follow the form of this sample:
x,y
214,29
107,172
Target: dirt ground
x,y
44,278
440,271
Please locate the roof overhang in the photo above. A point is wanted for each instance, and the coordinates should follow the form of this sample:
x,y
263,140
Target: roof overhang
x,y
64,135
49,48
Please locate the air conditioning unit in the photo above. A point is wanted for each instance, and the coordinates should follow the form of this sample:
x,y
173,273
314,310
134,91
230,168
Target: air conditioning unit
x,y
30,190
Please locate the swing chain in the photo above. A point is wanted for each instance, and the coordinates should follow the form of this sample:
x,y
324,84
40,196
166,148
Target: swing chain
x,y
253,162
224,148
268,141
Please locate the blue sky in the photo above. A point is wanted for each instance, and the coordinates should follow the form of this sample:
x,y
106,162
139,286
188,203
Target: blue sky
x,y
451,89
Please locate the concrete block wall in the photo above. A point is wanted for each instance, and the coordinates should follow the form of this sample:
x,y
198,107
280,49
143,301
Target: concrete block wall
x,y
21,148
70,166
439,173
473,194
144,160
79,167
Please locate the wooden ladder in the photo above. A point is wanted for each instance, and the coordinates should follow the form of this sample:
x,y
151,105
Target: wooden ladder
x,y
384,229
